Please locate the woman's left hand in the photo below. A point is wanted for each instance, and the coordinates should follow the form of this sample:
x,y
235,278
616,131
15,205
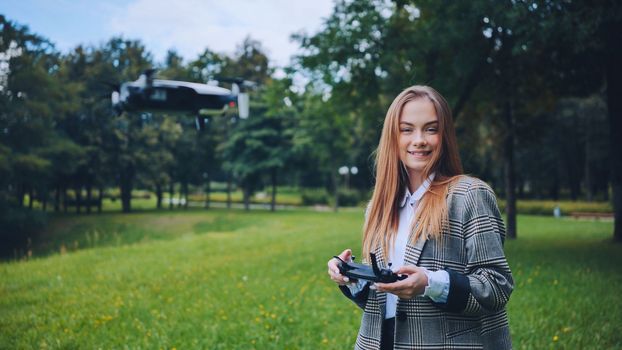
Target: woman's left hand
x,y
409,287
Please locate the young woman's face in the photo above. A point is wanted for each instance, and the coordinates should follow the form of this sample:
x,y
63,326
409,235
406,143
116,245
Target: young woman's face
x,y
418,136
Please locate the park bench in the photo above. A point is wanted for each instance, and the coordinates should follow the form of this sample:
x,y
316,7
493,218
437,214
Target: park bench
x,y
591,215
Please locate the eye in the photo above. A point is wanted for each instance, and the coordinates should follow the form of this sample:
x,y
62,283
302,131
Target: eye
x,y
406,129
431,129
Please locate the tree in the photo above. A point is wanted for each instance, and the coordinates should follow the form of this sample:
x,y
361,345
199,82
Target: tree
x,y
128,142
31,96
280,124
249,149
610,27
586,53
211,66
324,134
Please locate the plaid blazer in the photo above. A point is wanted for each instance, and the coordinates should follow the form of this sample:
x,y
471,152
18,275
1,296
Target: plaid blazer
x,y
471,251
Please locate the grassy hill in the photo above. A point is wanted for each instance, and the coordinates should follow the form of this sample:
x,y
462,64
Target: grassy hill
x,y
222,279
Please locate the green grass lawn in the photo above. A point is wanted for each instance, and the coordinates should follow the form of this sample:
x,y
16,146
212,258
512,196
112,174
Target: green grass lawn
x,y
222,279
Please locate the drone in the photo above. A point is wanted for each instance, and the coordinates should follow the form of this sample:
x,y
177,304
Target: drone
x,y
147,94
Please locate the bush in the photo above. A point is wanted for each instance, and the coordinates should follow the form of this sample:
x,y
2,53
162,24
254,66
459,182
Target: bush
x,y
314,196
348,197
545,207
18,227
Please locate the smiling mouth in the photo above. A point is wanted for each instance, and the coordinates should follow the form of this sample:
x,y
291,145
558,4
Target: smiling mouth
x,y
420,153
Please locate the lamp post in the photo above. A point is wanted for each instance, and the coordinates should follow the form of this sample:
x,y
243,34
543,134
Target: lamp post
x,y
345,171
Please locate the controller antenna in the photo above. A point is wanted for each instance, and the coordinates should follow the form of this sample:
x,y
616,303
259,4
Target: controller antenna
x,y
374,264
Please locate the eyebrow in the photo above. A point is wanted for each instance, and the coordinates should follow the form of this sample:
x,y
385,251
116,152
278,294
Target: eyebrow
x,y
426,124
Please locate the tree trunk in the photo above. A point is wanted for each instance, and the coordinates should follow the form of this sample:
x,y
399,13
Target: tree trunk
x,y
100,199
554,188
471,83
510,187
171,193
78,202
89,198
57,199
180,194
229,191
64,199
588,158
126,191
31,194
247,198
185,188
613,58
159,195
273,201
44,200
208,191
575,186
335,178
20,195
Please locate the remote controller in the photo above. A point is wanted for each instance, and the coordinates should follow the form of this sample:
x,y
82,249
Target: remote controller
x,y
368,273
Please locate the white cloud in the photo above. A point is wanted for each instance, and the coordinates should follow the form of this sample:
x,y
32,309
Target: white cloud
x,y
190,26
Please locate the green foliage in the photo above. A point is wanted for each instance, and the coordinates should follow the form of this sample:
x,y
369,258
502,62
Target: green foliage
x,y
237,280
259,148
546,207
19,227
313,196
58,131
349,197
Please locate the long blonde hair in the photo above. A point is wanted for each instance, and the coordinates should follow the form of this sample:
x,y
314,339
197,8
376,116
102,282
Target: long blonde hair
x,y
382,220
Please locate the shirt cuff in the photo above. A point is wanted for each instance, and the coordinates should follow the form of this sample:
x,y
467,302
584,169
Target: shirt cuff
x,y
438,285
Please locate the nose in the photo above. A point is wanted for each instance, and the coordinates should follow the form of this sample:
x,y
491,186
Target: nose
x,y
418,138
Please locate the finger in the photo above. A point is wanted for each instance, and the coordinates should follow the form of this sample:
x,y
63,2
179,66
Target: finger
x,y
346,254
384,287
336,276
339,280
394,287
407,270
334,273
333,265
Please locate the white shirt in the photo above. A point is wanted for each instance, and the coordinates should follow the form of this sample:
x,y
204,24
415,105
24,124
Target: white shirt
x,y
438,281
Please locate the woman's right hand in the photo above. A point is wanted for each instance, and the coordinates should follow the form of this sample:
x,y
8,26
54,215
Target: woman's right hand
x,y
333,268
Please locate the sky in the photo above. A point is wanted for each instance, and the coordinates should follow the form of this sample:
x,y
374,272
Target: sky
x,y
188,26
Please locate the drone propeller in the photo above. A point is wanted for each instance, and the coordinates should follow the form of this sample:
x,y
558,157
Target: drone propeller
x,y
247,84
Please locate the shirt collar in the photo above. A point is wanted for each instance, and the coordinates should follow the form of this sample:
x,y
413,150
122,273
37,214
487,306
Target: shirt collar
x,y
411,198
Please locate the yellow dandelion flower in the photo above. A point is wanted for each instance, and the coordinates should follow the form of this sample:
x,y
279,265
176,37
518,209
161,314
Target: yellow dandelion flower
x,y
555,338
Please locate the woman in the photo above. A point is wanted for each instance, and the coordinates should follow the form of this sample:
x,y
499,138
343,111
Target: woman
x,y
440,228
